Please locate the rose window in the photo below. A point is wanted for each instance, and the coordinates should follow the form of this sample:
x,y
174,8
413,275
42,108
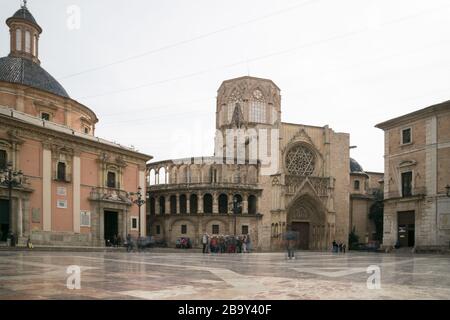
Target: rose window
x,y
300,161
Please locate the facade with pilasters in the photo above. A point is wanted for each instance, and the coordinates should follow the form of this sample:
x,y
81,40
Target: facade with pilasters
x,y
76,188
417,171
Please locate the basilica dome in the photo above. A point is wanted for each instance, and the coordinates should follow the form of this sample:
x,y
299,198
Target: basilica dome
x,y
22,65
26,72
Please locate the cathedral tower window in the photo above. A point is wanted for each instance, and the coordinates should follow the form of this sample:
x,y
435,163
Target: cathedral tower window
x,y
257,107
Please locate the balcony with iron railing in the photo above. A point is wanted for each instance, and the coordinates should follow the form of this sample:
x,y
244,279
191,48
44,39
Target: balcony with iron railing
x,y
202,185
408,194
110,195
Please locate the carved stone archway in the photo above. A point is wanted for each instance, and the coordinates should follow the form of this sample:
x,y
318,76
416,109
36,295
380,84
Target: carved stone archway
x,y
307,216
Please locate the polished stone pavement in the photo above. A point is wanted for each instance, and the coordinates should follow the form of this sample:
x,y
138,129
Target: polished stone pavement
x,y
188,275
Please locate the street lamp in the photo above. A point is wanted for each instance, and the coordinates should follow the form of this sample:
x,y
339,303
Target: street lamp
x,y
140,202
11,179
447,187
236,206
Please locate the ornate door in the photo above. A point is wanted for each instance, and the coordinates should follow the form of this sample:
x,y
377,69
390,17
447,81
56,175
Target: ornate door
x,y
302,229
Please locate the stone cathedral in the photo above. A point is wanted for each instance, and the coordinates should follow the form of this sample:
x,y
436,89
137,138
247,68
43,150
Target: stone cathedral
x,y
304,186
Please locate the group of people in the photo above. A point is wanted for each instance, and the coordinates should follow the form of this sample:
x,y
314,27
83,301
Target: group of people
x,y
116,241
339,247
226,243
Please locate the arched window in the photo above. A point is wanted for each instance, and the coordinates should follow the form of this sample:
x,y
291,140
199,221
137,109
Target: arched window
x,y
193,205
152,177
18,39
152,206
237,204
223,204
235,98
162,176
162,205
257,107
300,161
252,204
183,202
61,171
173,204
356,184
207,203
27,42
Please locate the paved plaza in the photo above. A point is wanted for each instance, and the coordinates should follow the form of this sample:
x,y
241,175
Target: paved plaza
x,y
188,275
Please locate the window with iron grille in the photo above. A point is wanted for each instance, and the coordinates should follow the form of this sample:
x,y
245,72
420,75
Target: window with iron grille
x,y
158,229
406,136
134,223
244,229
183,229
215,229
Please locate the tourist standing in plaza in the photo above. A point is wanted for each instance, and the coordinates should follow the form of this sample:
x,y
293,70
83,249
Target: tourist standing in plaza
x,y
205,238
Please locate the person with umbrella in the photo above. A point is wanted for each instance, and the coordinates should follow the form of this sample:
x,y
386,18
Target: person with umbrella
x,y
290,238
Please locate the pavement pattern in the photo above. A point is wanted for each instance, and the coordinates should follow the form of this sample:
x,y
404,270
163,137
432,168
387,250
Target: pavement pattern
x,y
195,276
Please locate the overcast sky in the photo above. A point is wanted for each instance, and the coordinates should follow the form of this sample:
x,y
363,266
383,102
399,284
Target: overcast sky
x,y
151,69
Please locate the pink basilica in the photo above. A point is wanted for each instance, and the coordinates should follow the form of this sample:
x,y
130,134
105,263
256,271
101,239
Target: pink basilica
x,y
59,184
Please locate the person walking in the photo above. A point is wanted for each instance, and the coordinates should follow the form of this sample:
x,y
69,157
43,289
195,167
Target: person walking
x,y
205,242
244,244
129,243
290,249
335,246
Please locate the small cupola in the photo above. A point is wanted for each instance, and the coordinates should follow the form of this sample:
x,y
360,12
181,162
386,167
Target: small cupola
x,y
24,33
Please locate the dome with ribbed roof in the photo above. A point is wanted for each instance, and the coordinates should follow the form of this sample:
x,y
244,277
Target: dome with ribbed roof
x,y
26,72
355,166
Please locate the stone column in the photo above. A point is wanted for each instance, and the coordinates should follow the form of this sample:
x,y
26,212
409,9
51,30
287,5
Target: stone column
x,y
178,211
188,203
47,188
167,200
200,203
215,203
245,204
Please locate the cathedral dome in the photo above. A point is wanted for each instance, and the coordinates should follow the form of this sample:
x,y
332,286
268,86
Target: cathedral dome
x,y
355,166
25,72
